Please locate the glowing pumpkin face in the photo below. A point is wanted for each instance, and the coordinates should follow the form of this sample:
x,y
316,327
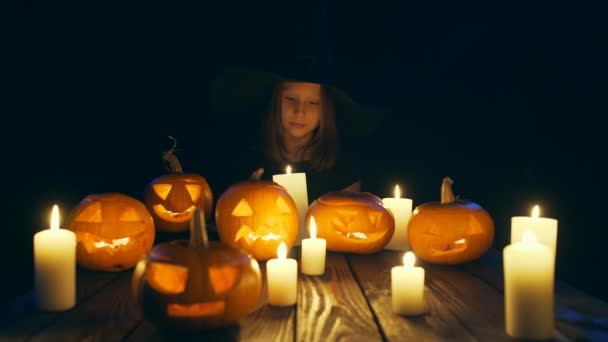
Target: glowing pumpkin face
x,y
181,285
257,216
451,231
354,222
172,199
113,231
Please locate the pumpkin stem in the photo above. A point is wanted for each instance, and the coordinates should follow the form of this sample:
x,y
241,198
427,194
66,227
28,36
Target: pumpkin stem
x,y
198,230
447,196
257,174
171,158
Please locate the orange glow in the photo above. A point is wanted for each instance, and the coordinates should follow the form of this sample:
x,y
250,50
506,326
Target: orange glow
x,y
223,278
167,278
196,309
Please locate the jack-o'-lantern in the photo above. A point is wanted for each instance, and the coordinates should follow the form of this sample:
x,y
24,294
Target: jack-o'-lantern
x,y
172,198
257,216
113,231
452,231
196,284
354,222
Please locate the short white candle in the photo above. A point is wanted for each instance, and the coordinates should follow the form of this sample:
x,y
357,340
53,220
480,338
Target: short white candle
x,y
295,184
407,287
313,252
528,283
282,278
545,229
55,266
401,208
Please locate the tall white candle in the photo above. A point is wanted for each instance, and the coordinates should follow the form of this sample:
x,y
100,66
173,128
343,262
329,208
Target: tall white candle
x,y
528,283
545,229
313,252
282,278
295,184
401,208
407,287
55,266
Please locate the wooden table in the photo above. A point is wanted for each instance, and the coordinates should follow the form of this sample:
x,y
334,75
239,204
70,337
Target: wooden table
x,y
351,301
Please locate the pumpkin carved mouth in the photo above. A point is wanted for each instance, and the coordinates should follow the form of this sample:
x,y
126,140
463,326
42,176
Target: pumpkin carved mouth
x,y
94,243
249,236
196,309
454,247
172,216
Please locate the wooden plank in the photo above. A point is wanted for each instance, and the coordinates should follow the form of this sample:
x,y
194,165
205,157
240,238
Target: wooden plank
x,y
107,316
22,318
265,323
578,315
332,307
459,306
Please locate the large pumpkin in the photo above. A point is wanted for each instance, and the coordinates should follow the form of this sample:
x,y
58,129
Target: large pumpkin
x,y
257,216
354,222
113,231
172,198
196,284
452,231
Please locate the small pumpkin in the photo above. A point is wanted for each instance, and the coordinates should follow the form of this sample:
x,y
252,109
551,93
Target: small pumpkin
x,y
113,231
257,216
451,231
172,198
355,222
196,284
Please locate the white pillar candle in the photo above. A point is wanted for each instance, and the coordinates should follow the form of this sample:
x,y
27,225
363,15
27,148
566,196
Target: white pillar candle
x,y
528,283
282,278
407,287
295,184
545,229
55,266
401,208
313,252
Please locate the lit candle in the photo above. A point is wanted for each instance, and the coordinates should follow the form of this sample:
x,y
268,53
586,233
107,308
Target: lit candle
x,y
528,277
545,229
402,211
407,287
295,184
55,266
282,278
313,252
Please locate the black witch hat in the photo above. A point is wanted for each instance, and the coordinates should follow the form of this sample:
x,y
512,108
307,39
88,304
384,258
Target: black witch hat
x,y
239,91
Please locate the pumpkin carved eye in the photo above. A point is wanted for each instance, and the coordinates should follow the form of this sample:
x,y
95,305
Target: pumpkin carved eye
x,y
166,278
194,191
283,206
92,214
222,278
129,215
242,209
162,190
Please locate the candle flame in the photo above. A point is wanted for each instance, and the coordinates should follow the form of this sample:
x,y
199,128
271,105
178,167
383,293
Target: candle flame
x,y
282,251
528,237
55,218
397,191
409,259
312,227
536,211
288,169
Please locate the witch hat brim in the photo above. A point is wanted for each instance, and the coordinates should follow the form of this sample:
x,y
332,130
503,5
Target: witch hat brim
x,y
239,92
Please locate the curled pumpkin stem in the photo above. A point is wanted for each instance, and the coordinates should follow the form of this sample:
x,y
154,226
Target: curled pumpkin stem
x,y
257,174
174,165
447,196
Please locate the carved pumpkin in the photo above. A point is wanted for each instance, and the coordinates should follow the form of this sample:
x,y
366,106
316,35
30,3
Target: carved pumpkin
x,y
113,231
354,222
172,198
257,216
196,284
452,231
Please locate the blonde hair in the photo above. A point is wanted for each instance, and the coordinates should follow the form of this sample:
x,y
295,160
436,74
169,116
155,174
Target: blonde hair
x,y
323,147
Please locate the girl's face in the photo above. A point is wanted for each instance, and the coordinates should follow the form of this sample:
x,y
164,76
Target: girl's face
x,y
300,109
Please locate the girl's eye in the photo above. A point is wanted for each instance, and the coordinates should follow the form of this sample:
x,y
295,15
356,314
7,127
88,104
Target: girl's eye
x,y
316,103
289,98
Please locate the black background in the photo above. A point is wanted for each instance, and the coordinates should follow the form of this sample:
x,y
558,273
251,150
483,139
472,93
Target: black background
x,y
504,97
